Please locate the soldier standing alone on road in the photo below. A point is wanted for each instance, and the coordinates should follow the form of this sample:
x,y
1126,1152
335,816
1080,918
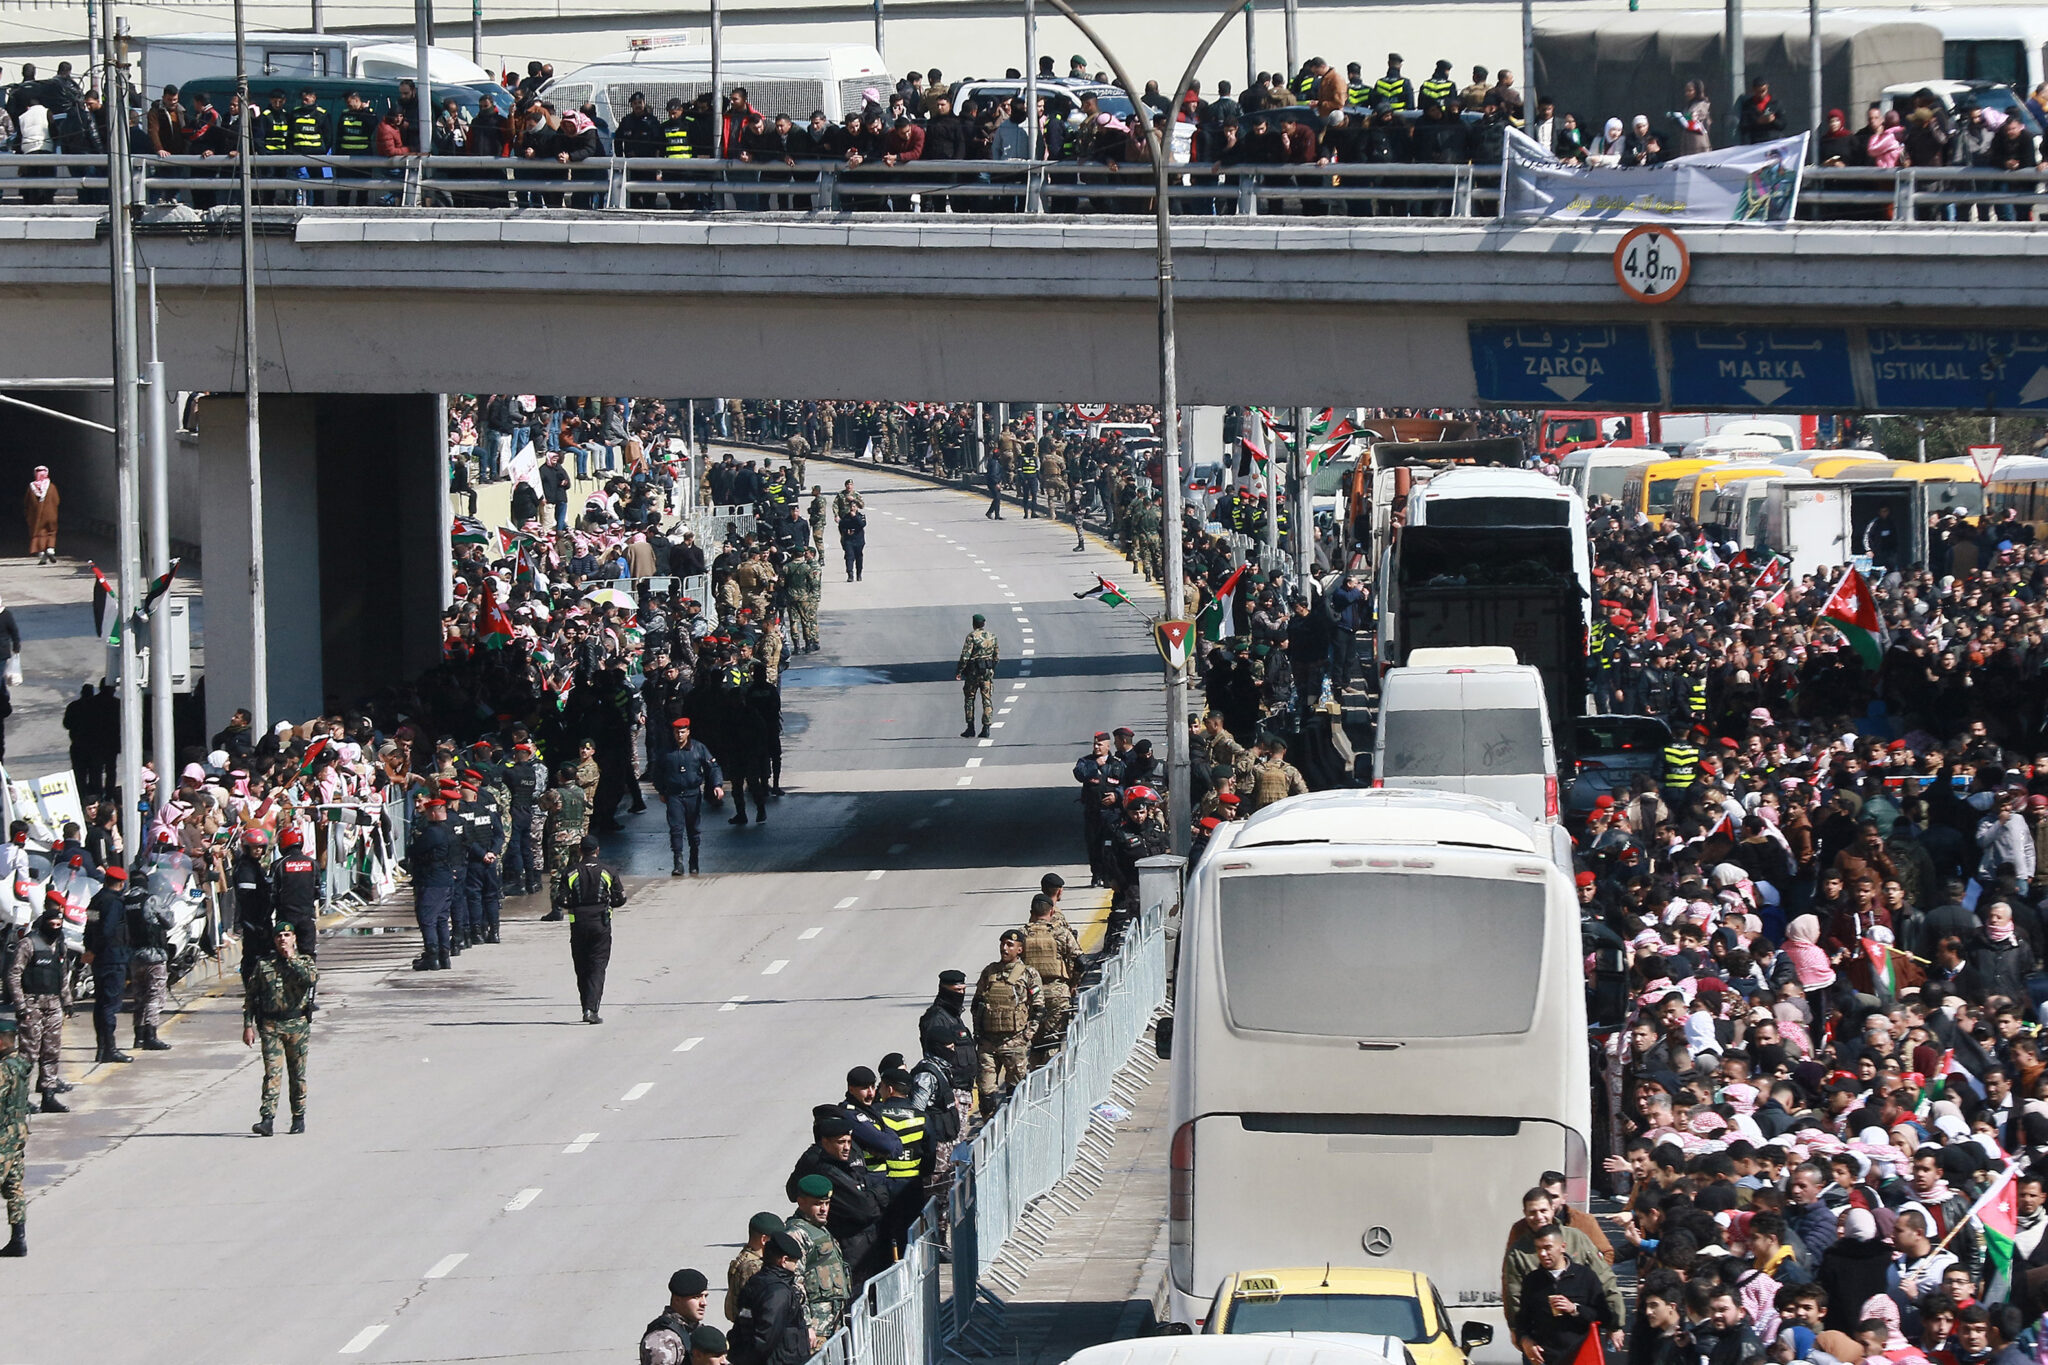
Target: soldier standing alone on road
x,y
679,776
40,980
977,675
274,1009
14,1094
1008,999
590,892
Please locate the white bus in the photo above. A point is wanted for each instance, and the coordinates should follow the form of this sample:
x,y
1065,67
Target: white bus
x,y
1600,471
780,78
1378,1043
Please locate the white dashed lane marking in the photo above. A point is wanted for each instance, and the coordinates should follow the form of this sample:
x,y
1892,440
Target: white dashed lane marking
x,y
454,1259
519,1201
360,1342
583,1140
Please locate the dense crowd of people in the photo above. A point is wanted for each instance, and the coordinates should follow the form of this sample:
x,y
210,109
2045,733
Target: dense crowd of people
x,y
1318,117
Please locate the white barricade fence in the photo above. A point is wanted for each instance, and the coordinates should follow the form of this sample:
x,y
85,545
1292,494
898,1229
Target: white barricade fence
x,y
1036,1138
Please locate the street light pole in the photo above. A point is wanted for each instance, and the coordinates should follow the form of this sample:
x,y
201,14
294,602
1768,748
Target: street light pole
x,y
127,435
1179,808
258,700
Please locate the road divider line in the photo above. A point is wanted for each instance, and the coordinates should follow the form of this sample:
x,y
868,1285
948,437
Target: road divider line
x,y
988,743
636,1092
731,1004
995,725
974,762
846,903
1017,686
688,1043
810,933
583,1140
965,781
519,1201
452,1260
775,967
876,875
360,1342
1003,710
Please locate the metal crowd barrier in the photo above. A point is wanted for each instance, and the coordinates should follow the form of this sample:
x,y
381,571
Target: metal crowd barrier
x,y
359,845
1903,196
1037,1137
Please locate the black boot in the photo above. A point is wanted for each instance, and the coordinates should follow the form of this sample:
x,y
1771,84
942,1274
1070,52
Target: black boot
x,y
551,915
984,730
677,869
491,934
298,1123
111,1053
968,733
739,819
424,962
53,1105
760,814
441,963
152,1043
693,862
17,1245
262,1127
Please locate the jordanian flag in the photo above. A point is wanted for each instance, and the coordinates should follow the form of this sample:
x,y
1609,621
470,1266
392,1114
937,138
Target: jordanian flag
x,y
1998,1214
1219,619
159,586
469,531
1105,591
1884,981
106,618
494,627
1853,611
1773,575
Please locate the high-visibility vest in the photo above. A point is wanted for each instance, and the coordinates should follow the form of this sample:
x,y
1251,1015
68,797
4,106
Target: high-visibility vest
x,y
1027,463
309,129
1395,90
1696,696
275,133
353,131
1304,85
1438,88
1357,96
1681,765
909,1130
676,141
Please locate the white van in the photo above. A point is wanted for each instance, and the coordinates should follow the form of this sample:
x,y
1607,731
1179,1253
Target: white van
x,y
1468,720
176,58
1350,1348
780,78
1600,471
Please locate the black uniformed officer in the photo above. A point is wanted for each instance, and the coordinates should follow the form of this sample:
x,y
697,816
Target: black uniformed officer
x,y
769,1327
295,879
107,948
437,865
254,907
589,893
680,776
483,891
527,778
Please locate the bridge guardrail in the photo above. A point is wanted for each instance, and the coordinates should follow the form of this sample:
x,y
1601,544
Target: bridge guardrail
x,y
1900,196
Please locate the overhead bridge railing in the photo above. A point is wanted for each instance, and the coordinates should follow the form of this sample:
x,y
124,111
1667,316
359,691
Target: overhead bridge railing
x,y
1908,196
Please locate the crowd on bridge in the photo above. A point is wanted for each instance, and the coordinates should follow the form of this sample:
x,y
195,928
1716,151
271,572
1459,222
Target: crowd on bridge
x,y
1316,120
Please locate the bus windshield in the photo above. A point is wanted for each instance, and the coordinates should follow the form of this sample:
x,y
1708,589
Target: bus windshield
x,y
1606,480
1378,1314
1494,511
1344,954
1454,743
1662,493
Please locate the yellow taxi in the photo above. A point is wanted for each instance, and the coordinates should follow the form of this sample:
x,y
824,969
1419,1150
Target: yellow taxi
x,y
1323,1300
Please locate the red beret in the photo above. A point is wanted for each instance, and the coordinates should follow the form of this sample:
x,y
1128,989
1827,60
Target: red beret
x,y
115,873
679,723
1603,802
1583,879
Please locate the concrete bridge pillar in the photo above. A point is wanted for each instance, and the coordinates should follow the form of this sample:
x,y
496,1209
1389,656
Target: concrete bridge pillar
x,y
353,547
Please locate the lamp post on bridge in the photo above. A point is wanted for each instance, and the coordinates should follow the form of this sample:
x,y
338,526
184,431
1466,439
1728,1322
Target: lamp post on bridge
x,y
1179,809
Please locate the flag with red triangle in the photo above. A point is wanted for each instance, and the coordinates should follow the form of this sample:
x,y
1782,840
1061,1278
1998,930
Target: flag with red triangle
x,y
106,616
1218,620
1653,617
1772,575
1851,610
493,627
1592,1351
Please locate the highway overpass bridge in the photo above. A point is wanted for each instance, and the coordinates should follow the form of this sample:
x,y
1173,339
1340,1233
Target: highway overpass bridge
x,y
365,315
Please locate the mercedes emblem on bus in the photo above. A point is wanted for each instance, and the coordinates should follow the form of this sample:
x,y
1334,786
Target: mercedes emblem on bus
x,y
1377,1241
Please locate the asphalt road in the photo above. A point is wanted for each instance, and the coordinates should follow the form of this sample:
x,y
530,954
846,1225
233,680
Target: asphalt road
x,y
486,1178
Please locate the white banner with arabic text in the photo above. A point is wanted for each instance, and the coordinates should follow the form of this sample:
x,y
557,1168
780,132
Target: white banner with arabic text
x,y
1754,184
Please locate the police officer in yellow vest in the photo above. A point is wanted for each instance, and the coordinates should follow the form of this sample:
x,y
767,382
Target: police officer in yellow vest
x,y
906,1173
355,131
309,138
1682,761
1357,92
1393,89
1053,953
1438,89
1027,478
678,143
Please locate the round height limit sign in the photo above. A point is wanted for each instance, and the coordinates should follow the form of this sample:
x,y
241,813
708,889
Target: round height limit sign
x,y
1651,264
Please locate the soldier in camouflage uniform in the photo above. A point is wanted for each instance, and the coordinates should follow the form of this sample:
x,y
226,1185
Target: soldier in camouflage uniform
x,y
760,1228
1273,777
1051,950
568,820
1008,1001
977,675
39,981
588,775
1150,554
274,1011
805,582
15,1070
827,1285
